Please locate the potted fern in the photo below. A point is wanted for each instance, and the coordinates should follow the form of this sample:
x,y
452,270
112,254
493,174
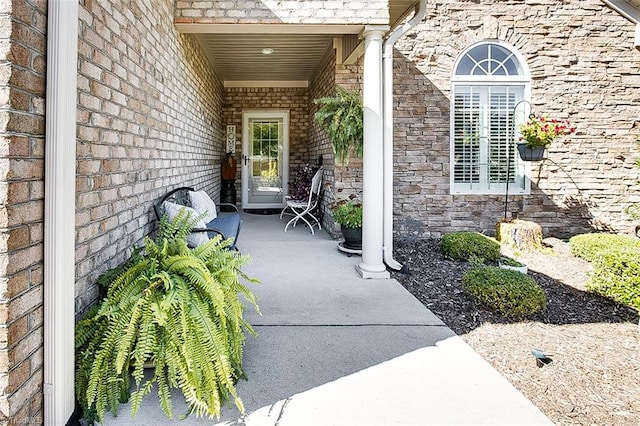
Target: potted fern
x,y
175,307
341,116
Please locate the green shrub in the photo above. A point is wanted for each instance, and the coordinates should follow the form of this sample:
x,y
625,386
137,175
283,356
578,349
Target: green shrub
x,y
591,246
616,275
469,245
616,262
505,292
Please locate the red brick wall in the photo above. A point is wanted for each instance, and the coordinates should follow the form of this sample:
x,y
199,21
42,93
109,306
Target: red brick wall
x,y
340,180
149,119
22,87
295,100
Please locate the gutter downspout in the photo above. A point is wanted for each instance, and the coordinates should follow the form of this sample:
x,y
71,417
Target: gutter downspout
x,y
59,211
387,138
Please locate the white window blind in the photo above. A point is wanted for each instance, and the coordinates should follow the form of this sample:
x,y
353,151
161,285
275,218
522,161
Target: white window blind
x,y
483,143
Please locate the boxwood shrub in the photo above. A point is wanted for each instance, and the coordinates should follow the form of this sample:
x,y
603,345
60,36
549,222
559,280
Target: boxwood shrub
x,y
503,291
616,262
469,245
616,275
591,246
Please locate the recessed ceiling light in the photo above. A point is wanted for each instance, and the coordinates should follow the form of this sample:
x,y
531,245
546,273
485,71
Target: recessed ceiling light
x,y
267,51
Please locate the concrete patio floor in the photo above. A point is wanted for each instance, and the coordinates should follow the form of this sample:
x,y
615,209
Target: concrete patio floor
x,y
334,349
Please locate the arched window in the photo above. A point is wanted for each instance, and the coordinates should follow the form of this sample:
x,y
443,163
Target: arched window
x,y
490,81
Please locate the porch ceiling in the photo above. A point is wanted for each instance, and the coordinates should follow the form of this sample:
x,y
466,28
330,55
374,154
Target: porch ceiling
x,y
235,51
239,57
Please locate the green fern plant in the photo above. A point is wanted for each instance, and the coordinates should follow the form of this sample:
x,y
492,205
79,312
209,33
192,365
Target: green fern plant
x,y
177,308
341,116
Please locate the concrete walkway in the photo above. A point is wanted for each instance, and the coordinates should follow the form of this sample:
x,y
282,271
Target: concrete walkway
x,y
334,349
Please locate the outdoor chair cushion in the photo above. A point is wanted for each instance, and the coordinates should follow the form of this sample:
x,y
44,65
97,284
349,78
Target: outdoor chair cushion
x,y
194,239
202,203
228,224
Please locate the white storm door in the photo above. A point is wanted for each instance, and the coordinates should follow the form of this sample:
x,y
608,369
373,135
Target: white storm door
x,y
265,158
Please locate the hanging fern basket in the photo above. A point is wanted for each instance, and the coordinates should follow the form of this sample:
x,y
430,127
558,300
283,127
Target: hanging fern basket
x,y
531,154
341,117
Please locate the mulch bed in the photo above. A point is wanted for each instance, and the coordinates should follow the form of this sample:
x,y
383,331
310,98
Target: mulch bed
x,y
594,343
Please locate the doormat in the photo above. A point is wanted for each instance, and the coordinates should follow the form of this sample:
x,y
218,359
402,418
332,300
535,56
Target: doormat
x,y
262,211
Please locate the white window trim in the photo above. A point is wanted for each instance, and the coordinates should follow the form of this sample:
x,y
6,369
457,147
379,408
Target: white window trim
x,y
523,80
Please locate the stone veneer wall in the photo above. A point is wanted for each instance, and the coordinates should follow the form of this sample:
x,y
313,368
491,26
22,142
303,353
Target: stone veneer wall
x,y
23,25
282,12
292,99
583,65
149,120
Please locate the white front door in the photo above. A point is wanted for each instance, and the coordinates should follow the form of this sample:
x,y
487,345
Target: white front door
x,y
265,158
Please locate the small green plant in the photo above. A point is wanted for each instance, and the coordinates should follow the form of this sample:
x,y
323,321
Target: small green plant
x,y
476,260
505,260
469,245
505,292
633,210
591,247
341,116
175,307
348,213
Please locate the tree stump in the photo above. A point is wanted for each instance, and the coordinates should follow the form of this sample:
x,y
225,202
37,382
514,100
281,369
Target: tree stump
x,y
521,234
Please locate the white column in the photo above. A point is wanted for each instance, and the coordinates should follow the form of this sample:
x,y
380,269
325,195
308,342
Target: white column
x,y
60,211
372,265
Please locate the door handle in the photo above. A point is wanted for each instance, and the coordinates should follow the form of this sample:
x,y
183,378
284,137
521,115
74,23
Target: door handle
x,y
245,159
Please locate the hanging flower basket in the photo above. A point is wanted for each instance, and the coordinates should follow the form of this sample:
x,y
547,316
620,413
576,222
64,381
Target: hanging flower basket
x,y
531,154
539,132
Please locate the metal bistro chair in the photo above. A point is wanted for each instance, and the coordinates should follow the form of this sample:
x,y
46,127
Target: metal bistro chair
x,y
303,209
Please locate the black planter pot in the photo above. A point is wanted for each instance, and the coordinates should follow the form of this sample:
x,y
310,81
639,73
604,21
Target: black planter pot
x,y
530,154
352,237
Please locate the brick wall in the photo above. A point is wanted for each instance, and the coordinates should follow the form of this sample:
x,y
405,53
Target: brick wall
x,y
282,12
323,84
295,100
149,119
22,87
340,180
583,66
